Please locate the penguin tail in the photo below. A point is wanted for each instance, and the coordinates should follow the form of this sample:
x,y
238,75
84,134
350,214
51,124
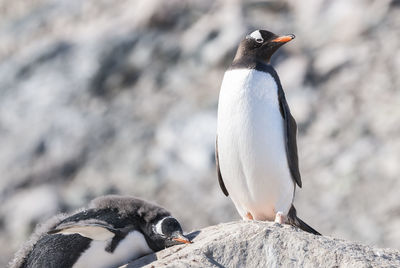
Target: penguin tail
x,y
296,221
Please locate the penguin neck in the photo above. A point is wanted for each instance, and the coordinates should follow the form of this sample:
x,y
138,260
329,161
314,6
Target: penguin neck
x,y
239,57
262,54
153,239
250,62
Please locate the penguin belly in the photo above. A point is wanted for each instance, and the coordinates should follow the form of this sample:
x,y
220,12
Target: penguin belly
x,y
251,145
133,246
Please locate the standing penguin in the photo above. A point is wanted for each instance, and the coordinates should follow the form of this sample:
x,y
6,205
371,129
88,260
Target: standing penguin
x,y
256,150
113,231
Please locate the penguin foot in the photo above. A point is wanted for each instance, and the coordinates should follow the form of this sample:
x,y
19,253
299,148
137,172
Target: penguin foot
x,y
249,216
280,218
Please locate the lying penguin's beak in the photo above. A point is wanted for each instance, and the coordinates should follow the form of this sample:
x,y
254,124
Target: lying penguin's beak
x,y
284,38
181,239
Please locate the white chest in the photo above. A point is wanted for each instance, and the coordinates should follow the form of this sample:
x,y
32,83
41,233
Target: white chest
x,y
251,145
133,246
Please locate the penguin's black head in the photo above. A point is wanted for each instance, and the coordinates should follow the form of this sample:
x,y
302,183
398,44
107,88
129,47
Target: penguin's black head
x,y
159,228
168,232
261,45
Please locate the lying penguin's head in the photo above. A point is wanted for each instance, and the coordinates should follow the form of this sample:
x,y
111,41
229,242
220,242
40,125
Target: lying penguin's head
x,y
159,228
167,232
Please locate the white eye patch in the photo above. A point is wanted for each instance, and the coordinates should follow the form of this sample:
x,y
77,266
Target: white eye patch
x,y
256,35
158,226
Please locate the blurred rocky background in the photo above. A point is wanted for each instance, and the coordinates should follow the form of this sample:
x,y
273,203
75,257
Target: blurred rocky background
x,y
102,96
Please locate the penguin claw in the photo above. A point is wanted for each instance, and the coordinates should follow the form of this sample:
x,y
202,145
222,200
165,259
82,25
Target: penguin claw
x,y
280,218
249,216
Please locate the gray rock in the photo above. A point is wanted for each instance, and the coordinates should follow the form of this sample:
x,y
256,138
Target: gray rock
x,y
265,244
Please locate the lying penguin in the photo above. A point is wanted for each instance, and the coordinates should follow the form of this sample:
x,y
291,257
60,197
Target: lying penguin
x,y
111,232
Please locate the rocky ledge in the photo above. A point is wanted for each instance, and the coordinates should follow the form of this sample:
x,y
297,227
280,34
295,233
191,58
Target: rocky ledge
x,y
263,244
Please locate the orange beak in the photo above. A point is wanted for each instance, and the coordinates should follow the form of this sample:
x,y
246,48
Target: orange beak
x,y
284,38
182,239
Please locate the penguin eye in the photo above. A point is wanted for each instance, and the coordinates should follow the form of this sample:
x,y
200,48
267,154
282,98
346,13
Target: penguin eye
x,y
259,40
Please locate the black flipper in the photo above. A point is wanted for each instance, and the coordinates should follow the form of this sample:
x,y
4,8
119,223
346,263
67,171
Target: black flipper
x,y
290,135
221,182
296,221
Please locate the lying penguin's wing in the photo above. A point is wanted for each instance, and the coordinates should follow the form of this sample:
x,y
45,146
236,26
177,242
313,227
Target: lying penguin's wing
x,y
92,232
93,229
221,182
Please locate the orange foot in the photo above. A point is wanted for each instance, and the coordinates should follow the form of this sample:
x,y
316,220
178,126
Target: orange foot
x,y
249,216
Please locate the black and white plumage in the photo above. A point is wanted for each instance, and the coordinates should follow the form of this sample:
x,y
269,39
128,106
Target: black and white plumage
x,y
256,149
111,232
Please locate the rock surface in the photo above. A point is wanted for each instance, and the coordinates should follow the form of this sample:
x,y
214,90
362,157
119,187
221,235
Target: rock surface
x,y
104,96
263,244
